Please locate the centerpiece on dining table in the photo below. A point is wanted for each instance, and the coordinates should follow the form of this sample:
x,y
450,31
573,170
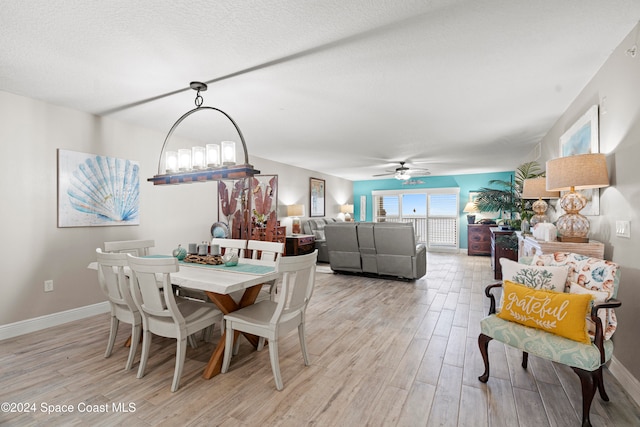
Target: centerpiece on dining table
x,y
229,259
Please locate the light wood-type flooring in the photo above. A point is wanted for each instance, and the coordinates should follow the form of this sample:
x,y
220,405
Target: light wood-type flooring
x,y
383,353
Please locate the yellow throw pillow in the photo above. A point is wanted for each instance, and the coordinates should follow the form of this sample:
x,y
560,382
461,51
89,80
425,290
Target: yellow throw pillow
x,y
556,312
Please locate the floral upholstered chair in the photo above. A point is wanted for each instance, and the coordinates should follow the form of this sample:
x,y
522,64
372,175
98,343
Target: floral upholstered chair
x,y
558,307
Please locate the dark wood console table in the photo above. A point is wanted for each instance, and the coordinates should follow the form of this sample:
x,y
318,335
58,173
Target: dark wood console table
x,y
299,244
498,252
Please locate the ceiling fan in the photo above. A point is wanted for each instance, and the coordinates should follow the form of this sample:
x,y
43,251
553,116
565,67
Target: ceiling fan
x,y
405,172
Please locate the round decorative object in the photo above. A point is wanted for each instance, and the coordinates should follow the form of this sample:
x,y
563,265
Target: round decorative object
x,y
230,259
180,253
220,230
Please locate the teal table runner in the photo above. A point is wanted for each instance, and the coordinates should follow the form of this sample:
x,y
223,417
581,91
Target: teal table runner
x,y
240,268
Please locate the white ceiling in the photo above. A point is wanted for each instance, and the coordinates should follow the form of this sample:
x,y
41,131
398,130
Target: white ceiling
x,y
343,87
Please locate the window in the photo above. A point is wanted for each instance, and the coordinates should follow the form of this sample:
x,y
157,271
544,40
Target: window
x,y
433,212
443,220
387,207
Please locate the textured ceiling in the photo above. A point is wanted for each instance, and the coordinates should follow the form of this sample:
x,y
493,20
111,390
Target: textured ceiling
x,y
337,86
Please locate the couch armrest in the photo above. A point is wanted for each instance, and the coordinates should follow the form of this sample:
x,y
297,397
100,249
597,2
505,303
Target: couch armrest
x,y
489,294
420,261
599,336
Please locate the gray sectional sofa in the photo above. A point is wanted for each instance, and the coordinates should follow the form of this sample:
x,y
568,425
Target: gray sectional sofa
x,y
382,248
315,227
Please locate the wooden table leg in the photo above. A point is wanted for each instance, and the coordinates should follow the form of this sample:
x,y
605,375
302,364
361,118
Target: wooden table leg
x,y
226,304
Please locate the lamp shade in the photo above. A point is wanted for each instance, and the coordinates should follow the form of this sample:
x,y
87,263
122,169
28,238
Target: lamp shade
x,y
346,209
536,188
295,210
580,172
470,207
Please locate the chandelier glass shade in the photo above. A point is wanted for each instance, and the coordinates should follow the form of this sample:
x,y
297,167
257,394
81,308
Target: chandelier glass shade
x,y
212,162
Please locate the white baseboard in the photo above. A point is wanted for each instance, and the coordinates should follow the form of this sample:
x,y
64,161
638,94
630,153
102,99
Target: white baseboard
x,y
626,380
38,323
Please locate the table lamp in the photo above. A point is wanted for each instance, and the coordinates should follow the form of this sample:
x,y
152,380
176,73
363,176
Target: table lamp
x,y
295,212
471,208
583,171
536,188
347,210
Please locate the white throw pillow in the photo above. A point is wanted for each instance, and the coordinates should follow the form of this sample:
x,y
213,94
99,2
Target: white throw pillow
x,y
319,235
534,276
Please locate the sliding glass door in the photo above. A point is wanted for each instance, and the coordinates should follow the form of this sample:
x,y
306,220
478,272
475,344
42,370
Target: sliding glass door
x,y
432,211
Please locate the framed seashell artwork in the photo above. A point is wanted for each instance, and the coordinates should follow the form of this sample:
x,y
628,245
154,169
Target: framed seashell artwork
x,y
97,190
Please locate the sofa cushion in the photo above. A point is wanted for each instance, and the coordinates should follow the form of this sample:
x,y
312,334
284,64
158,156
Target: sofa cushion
x,y
556,312
544,344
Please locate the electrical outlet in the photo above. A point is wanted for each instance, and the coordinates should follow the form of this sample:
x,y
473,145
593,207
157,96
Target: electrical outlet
x,y
48,285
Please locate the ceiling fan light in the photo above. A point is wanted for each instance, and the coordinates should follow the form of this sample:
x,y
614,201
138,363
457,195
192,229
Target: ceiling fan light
x,y
402,175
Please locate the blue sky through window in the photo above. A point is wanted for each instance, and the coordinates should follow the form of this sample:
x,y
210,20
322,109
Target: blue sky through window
x,y
414,205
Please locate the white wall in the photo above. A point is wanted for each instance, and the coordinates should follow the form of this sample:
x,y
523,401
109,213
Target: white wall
x,y
615,89
35,249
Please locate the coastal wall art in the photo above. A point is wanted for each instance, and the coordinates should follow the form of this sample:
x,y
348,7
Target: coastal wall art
x,y
97,190
582,138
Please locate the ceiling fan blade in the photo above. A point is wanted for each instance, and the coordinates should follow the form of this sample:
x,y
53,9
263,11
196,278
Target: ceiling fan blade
x,y
385,174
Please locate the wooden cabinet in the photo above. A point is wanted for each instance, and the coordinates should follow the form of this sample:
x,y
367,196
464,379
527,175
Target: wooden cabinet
x,y
269,234
300,244
479,239
528,247
498,252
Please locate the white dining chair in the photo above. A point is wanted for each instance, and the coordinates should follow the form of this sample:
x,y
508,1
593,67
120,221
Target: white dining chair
x,y
162,313
135,247
238,245
268,253
265,251
115,286
271,319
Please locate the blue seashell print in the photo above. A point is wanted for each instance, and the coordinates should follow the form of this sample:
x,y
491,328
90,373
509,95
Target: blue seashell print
x,y
106,187
598,274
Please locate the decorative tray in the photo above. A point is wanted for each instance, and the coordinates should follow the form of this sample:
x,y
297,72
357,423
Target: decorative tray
x,y
204,259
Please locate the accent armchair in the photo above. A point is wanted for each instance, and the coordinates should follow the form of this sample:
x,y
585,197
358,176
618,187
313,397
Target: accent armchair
x,y
570,325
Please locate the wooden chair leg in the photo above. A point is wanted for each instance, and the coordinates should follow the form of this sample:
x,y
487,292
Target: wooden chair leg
x,y
483,343
589,381
275,363
525,359
113,331
600,383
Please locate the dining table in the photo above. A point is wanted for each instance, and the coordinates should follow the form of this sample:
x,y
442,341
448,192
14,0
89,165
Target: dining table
x,y
219,282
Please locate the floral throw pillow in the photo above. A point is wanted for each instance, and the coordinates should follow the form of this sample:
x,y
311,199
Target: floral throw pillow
x,y
592,274
598,296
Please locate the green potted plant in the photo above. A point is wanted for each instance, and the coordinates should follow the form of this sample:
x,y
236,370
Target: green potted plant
x,y
507,242
506,196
